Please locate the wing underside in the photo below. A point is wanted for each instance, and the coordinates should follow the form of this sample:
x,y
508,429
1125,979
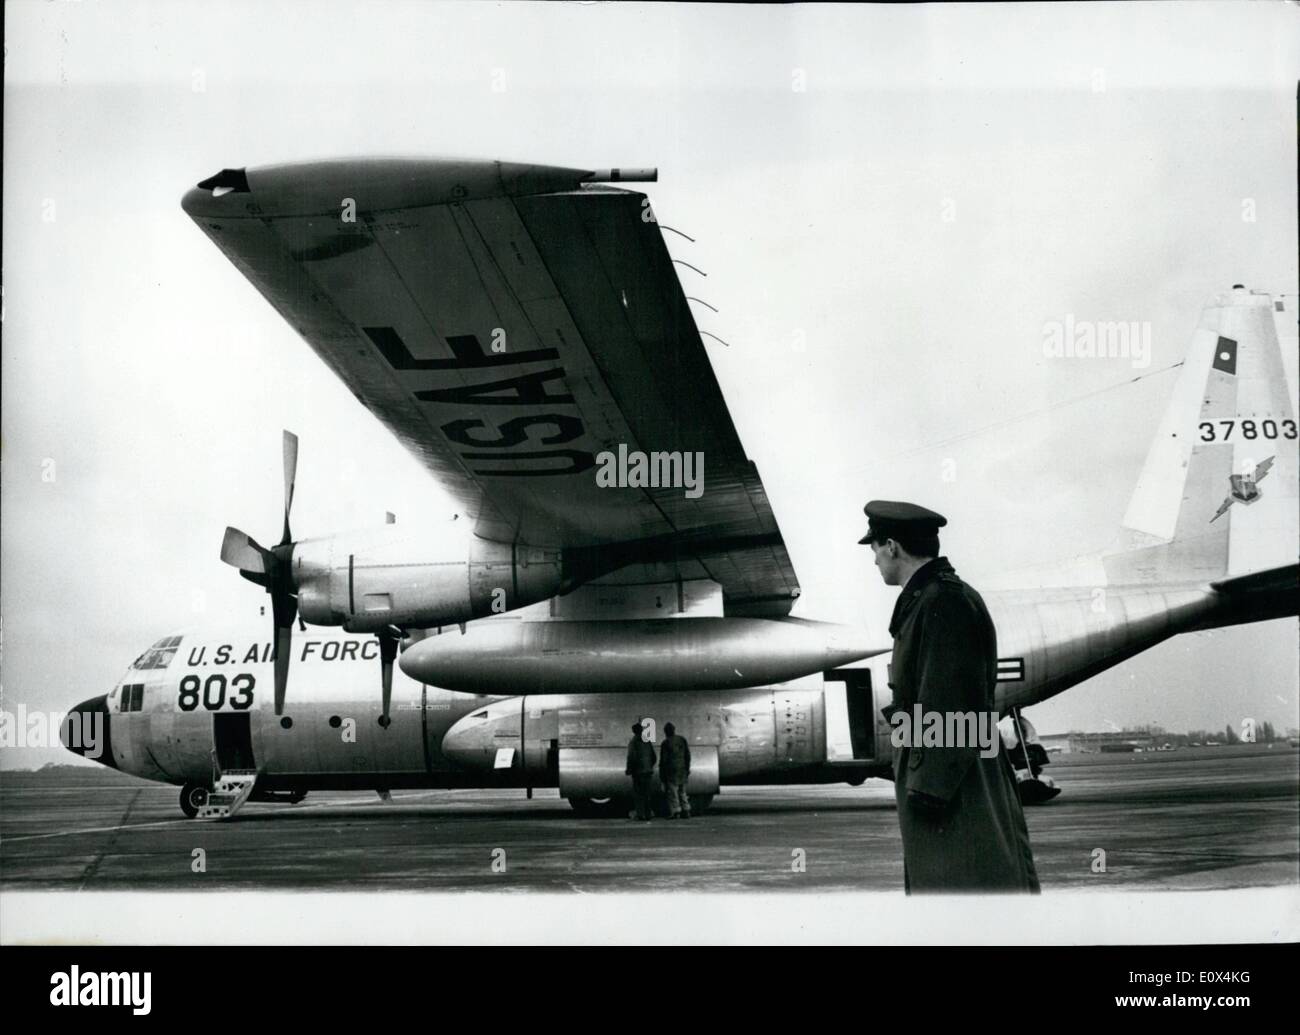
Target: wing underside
x,y
510,324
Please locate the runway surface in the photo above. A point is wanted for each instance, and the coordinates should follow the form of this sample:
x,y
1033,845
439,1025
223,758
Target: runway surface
x,y
1184,821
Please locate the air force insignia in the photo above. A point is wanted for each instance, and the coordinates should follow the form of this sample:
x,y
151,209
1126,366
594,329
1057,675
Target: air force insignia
x,y
1245,488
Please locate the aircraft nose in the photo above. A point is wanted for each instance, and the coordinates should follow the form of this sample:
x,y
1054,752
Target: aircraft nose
x,y
85,731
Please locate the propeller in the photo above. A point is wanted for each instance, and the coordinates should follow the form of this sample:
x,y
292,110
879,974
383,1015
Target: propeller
x,y
272,569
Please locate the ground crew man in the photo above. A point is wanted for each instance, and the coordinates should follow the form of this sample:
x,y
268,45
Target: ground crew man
x,y
641,767
958,810
675,771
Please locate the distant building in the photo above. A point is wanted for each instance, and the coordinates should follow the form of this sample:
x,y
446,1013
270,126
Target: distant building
x,y
1140,739
1079,742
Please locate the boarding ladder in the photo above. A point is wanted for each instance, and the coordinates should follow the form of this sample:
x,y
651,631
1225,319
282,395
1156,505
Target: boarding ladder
x,y
229,792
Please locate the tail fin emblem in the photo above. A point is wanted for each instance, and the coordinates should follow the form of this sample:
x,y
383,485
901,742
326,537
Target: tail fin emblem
x,y
1244,488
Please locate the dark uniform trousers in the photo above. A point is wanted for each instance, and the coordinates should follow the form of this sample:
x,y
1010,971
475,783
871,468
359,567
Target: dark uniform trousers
x,y
970,835
641,767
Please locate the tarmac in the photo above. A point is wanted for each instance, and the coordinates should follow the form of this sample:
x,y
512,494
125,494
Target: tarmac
x,y
1186,820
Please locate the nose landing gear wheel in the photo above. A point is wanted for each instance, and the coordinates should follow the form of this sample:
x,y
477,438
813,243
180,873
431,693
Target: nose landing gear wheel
x,y
193,798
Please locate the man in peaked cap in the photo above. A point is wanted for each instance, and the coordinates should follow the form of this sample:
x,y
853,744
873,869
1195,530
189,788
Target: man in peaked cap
x,y
958,809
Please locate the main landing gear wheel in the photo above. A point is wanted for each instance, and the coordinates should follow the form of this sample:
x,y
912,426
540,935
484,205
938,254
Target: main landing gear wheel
x,y
193,798
601,807
700,803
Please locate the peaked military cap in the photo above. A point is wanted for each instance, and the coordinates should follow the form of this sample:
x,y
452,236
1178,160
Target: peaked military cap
x,y
888,519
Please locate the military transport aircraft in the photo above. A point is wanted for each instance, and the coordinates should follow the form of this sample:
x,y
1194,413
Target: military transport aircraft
x,y
516,326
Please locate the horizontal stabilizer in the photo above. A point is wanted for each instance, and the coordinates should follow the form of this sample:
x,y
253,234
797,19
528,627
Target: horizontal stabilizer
x,y
1258,596
1275,580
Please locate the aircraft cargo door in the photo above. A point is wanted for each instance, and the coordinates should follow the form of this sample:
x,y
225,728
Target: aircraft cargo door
x,y
850,715
233,740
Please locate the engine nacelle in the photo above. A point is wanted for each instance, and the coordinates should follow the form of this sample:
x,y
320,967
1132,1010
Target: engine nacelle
x,y
367,580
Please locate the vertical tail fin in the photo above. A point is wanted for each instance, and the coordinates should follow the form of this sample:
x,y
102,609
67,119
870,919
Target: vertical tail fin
x,y
1217,496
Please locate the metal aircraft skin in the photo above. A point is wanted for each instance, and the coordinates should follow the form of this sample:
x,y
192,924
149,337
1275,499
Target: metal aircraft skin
x,y
510,324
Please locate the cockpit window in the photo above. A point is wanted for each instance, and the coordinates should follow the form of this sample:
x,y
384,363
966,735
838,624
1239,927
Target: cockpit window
x,y
159,655
154,659
132,699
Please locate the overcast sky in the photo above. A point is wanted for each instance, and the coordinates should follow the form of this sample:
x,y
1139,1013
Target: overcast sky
x,y
889,204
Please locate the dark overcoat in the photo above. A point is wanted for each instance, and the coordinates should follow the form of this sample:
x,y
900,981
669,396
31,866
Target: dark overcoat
x,y
640,757
970,834
674,759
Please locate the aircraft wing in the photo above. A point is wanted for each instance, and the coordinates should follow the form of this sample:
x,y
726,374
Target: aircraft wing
x,y
509,324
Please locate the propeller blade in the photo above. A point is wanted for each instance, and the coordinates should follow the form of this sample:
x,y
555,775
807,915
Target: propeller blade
x,y
290,476
387,654
283,644
284,609
241,551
